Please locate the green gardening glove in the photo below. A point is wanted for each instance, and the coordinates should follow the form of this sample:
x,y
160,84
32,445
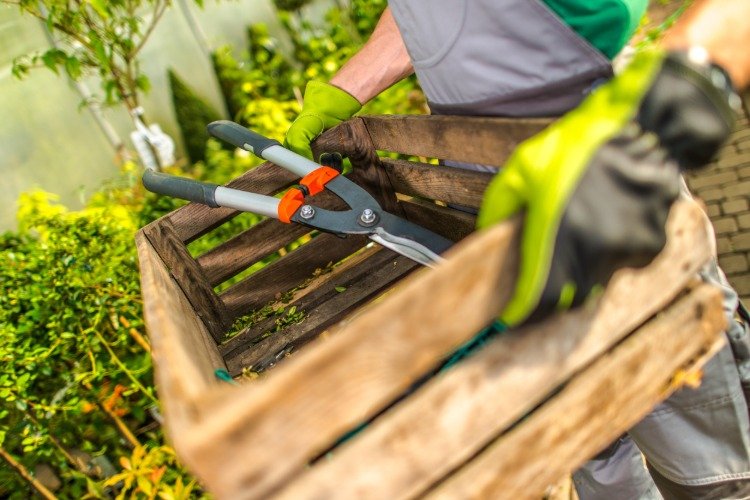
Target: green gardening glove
x,y
596,186
324,107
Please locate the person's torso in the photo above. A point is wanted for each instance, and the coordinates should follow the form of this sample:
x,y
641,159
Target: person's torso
x,y
512,57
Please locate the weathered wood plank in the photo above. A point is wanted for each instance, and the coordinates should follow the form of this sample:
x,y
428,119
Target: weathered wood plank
x,y
284,274
354,374
305,297
448,222
362,284
435,182
184,353
594,408
163,237
352,140
456,415
247,248
233,256
194,219
487,141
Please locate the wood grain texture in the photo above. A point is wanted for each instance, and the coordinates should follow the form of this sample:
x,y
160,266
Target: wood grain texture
x,y
184,353
237,254
194,219
362,284
256,243
352,140
289,271
595,407
309,295
309,401
487,141
452,418
188,274
448,222
448,184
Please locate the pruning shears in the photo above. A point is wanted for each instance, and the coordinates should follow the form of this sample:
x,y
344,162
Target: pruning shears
x,y
364,216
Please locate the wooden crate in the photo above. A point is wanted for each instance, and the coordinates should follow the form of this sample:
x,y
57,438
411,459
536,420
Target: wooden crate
x,y
508,422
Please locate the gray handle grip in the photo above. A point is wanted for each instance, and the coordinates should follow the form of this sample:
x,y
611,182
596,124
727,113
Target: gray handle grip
x,y
210,194
268,149
180,187
237,135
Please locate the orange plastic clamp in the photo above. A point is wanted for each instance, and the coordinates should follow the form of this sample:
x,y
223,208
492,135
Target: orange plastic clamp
x,y
316,181
289,204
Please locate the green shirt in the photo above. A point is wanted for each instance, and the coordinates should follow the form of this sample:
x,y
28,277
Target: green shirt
x,y
606,24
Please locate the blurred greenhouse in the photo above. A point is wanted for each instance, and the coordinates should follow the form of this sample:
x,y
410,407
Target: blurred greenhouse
x,y
50,141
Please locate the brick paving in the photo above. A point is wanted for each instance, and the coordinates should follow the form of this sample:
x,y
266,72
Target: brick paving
x,y
725,189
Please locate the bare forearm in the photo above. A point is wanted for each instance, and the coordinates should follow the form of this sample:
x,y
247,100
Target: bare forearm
x,y
723,28
380,63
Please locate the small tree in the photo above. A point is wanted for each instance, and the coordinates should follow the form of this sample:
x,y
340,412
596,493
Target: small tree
x,y
96,36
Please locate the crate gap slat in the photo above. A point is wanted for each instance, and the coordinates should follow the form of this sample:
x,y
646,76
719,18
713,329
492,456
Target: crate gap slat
x,y
305,297
258,289
447,184
450,223
486,141
384,269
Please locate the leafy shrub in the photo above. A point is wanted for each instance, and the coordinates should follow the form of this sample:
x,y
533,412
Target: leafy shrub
x,y
193,114
76,383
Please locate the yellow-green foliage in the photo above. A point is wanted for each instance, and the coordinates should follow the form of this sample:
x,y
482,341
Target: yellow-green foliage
x,y
76,375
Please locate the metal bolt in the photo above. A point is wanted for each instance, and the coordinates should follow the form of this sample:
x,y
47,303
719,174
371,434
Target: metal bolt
x,y
368,216
307,212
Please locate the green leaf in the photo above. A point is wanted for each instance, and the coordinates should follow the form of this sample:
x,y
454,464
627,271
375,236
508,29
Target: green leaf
x,y
100,6
52,58
143,83
99,51
340,289
73,67
2,437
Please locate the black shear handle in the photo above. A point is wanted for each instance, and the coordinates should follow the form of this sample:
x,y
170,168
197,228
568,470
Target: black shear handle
x,y
180,187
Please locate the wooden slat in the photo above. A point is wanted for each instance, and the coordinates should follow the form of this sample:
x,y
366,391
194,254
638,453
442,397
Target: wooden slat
x,y
163,237
354,374
184,353
458,414
178,336
194,219
233,256
362,284
306,297
448,222
451,185
340,382
487,141
247,248
289,271
595,407
352,140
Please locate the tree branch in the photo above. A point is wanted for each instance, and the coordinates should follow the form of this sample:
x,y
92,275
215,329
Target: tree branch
x,y
26,475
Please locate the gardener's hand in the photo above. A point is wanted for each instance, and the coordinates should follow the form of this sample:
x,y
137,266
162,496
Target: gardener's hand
x,y
324,107
596,186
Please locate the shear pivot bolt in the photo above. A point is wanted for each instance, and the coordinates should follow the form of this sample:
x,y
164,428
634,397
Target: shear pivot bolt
x,y
368,216
307,212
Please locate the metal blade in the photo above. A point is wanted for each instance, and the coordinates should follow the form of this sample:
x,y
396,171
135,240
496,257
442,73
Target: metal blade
x,y
406,247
